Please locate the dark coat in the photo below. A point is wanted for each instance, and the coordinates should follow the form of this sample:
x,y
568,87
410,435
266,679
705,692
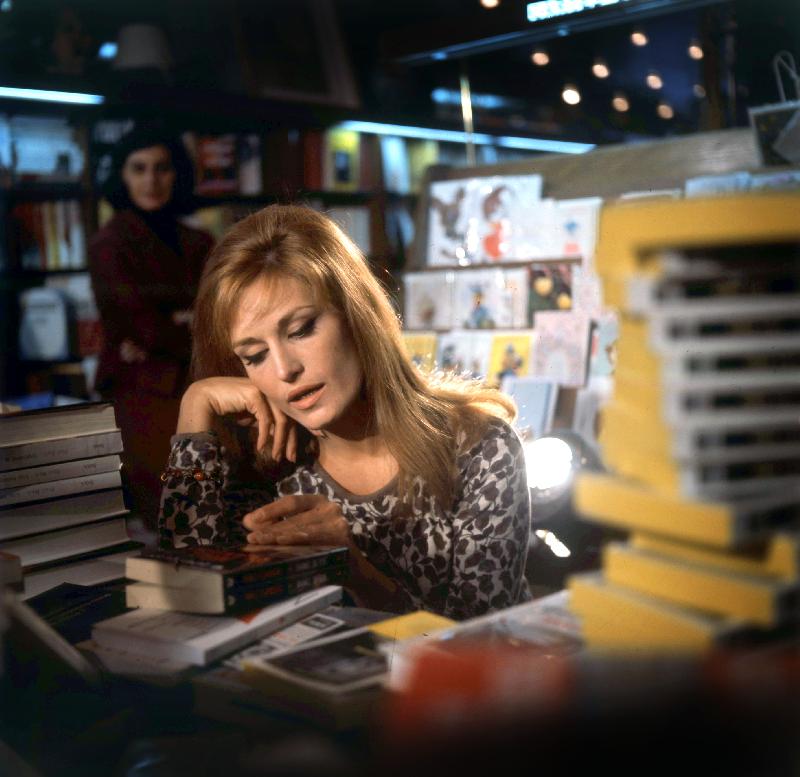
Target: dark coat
x,y
139,282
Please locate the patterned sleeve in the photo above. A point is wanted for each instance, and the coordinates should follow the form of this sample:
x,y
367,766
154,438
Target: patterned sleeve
x,y
200,505
491,526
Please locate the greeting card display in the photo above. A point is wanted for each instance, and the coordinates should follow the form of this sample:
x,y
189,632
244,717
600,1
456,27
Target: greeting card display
x,y
428,300
491,298
509,356
464,352
421,347
561,344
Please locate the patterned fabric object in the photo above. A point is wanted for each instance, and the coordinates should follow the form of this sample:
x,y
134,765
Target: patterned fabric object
x,y
460,562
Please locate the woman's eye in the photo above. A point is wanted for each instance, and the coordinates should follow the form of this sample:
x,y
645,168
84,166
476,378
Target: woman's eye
x,y
255,358
306,329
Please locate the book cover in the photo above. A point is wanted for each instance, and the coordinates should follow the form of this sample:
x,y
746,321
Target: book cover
x,y
449,210
561,343
614,617
60,512
576,224
59,471
230,600
55,422
421,155
395,164
758,600
341,169
44,325
777,557
428,300
62,544
510,356
550,287
490,298
625,505
52,489
201,639
465,352
217,165
421,348
58,449
215,569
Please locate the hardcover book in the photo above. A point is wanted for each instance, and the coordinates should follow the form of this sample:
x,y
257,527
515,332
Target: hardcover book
x,y
231,600
214,569
58,449
59,471
54,422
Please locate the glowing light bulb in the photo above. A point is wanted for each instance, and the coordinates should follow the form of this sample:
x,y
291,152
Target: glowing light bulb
x,y
654,80
600,69
620,103
490,3
570,94
699,90
665,111
638,38
540,57
695,50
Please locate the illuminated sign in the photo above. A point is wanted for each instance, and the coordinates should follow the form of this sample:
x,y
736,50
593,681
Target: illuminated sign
x,y
550,9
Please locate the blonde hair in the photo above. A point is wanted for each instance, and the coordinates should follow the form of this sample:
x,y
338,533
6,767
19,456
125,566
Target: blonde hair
x,y
418,416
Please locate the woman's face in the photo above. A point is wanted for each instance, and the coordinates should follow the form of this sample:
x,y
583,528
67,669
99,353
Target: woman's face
x,y
299,354
149,176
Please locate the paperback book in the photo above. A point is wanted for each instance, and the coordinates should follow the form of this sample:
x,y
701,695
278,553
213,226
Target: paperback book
x,y
201,639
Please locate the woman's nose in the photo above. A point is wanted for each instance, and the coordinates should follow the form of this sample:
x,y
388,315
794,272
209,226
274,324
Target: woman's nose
x,y
287,365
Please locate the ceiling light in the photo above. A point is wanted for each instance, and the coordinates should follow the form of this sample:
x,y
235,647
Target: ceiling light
x,y
455,136
620,103
490,3
699,90
654,80
695,50
540,57
665,111
47,95
638,38
600,69
107,50
570,94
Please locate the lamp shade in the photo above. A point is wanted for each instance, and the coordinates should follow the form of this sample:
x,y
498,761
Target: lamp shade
x,y
142,46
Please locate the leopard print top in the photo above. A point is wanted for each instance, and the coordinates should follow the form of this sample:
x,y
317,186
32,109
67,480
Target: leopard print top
x,y
460,562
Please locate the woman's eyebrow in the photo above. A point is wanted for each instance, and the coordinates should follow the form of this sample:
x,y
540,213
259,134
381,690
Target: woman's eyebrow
x,y
284,320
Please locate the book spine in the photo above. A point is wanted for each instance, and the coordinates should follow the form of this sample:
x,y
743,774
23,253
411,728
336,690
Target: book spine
x,y
57,488
242,598
301,566
68,469
35,454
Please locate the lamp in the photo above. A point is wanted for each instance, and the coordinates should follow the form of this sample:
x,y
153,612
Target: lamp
x,y
142,47
560,542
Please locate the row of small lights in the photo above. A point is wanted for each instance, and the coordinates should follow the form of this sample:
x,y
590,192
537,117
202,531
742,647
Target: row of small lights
x,y
572,96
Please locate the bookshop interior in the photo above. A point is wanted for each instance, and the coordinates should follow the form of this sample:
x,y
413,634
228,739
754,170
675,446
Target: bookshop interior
x,y
281,280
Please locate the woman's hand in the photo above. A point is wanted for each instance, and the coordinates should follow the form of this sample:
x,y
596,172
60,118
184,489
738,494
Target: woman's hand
x,y
302,519
229,396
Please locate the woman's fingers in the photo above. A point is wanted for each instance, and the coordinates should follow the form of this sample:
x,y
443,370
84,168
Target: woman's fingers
x,y
291,445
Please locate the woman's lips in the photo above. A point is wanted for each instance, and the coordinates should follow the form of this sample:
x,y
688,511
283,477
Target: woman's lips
x,y
307,399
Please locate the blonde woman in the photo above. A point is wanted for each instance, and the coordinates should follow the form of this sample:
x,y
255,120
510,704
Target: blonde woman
x,y
307,423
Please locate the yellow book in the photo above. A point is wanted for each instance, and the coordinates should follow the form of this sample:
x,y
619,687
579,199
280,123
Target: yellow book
x,y
509,356
621,504
421,347
342,160
615,618
754,599
632,233
642,465
778,557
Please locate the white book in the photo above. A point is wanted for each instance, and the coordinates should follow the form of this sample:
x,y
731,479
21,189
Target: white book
x,y
54,489
53,546
59,513
56,422
65,448
201,639
59,471
88,571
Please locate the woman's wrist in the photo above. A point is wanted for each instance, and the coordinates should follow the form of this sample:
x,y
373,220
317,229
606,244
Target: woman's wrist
x,y
195,413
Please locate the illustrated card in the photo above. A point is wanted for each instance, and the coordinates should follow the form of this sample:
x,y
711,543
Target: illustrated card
x,y
491,298
561,344
509,356
428,300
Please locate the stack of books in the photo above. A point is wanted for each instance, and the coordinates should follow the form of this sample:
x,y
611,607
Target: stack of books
x,y
702,434
62,506
216,580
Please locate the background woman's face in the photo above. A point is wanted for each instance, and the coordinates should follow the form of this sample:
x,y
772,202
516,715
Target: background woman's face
x,y
149,177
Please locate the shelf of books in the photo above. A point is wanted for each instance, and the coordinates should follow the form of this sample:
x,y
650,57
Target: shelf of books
x,y
701,434
62,505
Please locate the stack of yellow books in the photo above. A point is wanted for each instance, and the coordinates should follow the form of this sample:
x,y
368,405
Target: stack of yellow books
x,y
702,433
